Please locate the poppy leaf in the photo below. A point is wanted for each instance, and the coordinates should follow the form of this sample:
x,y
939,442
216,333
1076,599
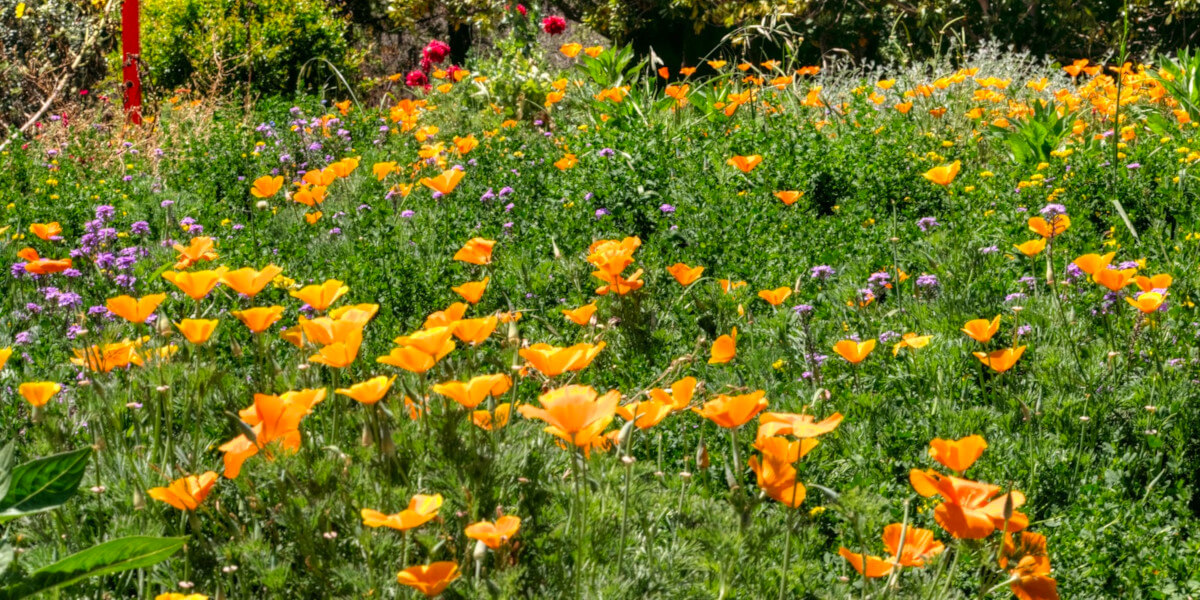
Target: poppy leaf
x,y
43,484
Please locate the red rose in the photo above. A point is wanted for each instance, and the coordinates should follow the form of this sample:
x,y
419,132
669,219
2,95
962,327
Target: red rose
x,y
416,79
436,51
521,9
554,25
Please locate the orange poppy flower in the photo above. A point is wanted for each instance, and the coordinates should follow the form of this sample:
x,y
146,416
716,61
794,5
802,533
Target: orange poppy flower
x,y
435,341
266,186
471,394
382,169
196,284
38,393
680,396
46,231
357,313
1092,263
575,413
135,310
645,414
1031,248
552,361
319,297
477,251
801,426
1162,281
613,256
259,318
854,352
777,477
320,177
273,419
945,174
408,358
776,296
566,162
47,266
982,330
493,535
957,455
618,283
745,164
733,411
570,50
919,545
452,314
431,579
1001,360
867,566
341,353
108,357
684,274
593,51
581,315
197,250
728,286
185,493
1114,279
249,282
724,348
1048,229
789,197
475,331
310,195
444,183
370,391
1030,573
487,421
472,291
5,354
1147,302
911,340
421,510
969,510
197,331
327,331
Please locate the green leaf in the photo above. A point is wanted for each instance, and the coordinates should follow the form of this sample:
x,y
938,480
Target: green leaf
x,y
110,557
6,463
43,484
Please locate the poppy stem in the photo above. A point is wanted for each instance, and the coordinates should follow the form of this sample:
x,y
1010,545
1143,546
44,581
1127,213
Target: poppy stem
x,y
737,461
787,551
628,460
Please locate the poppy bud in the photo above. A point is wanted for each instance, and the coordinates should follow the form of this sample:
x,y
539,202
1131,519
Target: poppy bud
x,y
262,205
139,500
514,337
235,349
702,456
624,434
367,437
164,327
1008,508
557,252
480,552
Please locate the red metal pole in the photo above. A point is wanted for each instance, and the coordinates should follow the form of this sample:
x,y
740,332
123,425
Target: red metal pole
x,y
131,50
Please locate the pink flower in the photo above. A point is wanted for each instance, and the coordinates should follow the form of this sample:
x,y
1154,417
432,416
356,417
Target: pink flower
x,y
554,25
521,9
416,79
436,51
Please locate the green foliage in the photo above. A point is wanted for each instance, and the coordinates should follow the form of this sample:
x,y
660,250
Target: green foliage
x,y
42,484
1030,139
114,556
1180,74
221,45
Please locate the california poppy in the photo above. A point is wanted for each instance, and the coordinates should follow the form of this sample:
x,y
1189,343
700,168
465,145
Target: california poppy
x,y
680,396
776,476
919,545
488,421
789,197
552,360
957,455
745,164
321,296
5,354
266,186
944,174
493,535
444,183
733,411
429,579
383,169
421,510
472,393
1092,263
185,493
867,566
259,318
1162,281
453,313
434,341
618,283
1001,360
370,391
854,352
38,393
408,358
135,310
911,340
728,286
196,284
109,356
568,161
477,251
200,248
776,296
341,353
1114,279
1051,227
273,419
684,274
581,315
47,266
472,291
197,331
723,349
982,330
475,331
570,50
797,425
1029,567
46,231
969,510
645,414
1147,302
250,282
612,256
574,413
1031,248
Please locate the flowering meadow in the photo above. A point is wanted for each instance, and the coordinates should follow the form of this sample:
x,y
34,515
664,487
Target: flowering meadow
x,y
729,330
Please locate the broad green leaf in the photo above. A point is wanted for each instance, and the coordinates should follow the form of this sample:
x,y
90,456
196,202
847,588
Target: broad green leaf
x,y
110,557
43,484
6,463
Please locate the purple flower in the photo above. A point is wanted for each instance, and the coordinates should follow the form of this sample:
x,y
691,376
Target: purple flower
x,y
504,191
23,338
1024,330
601,212
1029,281
1052,210
508,207
488,195
167,203
822,272
407,214
927,223
879,279
989,250
927,281
139,228
605,152
105,212
803,309
1133,166
1014,297
888,336
667,208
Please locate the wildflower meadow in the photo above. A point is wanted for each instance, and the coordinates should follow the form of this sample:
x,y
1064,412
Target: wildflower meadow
x,y
592,325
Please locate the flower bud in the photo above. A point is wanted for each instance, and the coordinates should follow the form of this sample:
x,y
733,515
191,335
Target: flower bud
x,y
480,552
